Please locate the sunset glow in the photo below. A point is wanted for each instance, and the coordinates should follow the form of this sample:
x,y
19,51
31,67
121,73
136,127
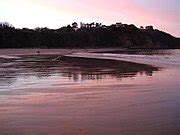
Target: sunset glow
x,y
162,14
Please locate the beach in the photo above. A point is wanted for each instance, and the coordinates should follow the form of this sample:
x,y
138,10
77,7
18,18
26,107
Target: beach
x,y
89,92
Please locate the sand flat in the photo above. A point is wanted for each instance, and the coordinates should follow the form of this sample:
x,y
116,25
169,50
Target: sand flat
x,y
72,96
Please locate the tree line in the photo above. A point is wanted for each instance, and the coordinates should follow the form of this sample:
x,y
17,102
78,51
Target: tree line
x,y
93,35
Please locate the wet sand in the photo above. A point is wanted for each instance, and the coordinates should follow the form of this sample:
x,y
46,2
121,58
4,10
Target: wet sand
x,y
161,58
42,95
51,51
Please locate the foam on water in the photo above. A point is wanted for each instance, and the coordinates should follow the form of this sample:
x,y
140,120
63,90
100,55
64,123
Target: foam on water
x,y
8,57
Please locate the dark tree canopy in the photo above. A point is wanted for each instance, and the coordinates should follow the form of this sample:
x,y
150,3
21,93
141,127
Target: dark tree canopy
x,y
93,35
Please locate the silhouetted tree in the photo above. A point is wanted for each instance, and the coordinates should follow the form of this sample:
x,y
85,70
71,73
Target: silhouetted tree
x,y
128,36
74,25
149,27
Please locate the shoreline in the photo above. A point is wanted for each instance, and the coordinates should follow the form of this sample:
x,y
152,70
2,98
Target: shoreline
x,y
159,61
100,53
33,51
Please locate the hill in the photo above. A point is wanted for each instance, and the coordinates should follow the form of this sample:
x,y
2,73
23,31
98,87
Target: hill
x,y
87,36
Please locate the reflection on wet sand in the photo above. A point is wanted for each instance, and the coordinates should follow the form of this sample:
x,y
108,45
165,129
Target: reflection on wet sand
x,y
76,69
103,106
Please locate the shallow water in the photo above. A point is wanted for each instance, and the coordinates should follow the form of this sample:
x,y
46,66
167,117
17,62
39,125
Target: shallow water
x,y
161,58
48,94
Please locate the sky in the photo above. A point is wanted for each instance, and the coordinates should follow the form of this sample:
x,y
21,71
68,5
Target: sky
x,y
162,14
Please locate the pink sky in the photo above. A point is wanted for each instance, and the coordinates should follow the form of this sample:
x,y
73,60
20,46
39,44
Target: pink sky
x,y
162,14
